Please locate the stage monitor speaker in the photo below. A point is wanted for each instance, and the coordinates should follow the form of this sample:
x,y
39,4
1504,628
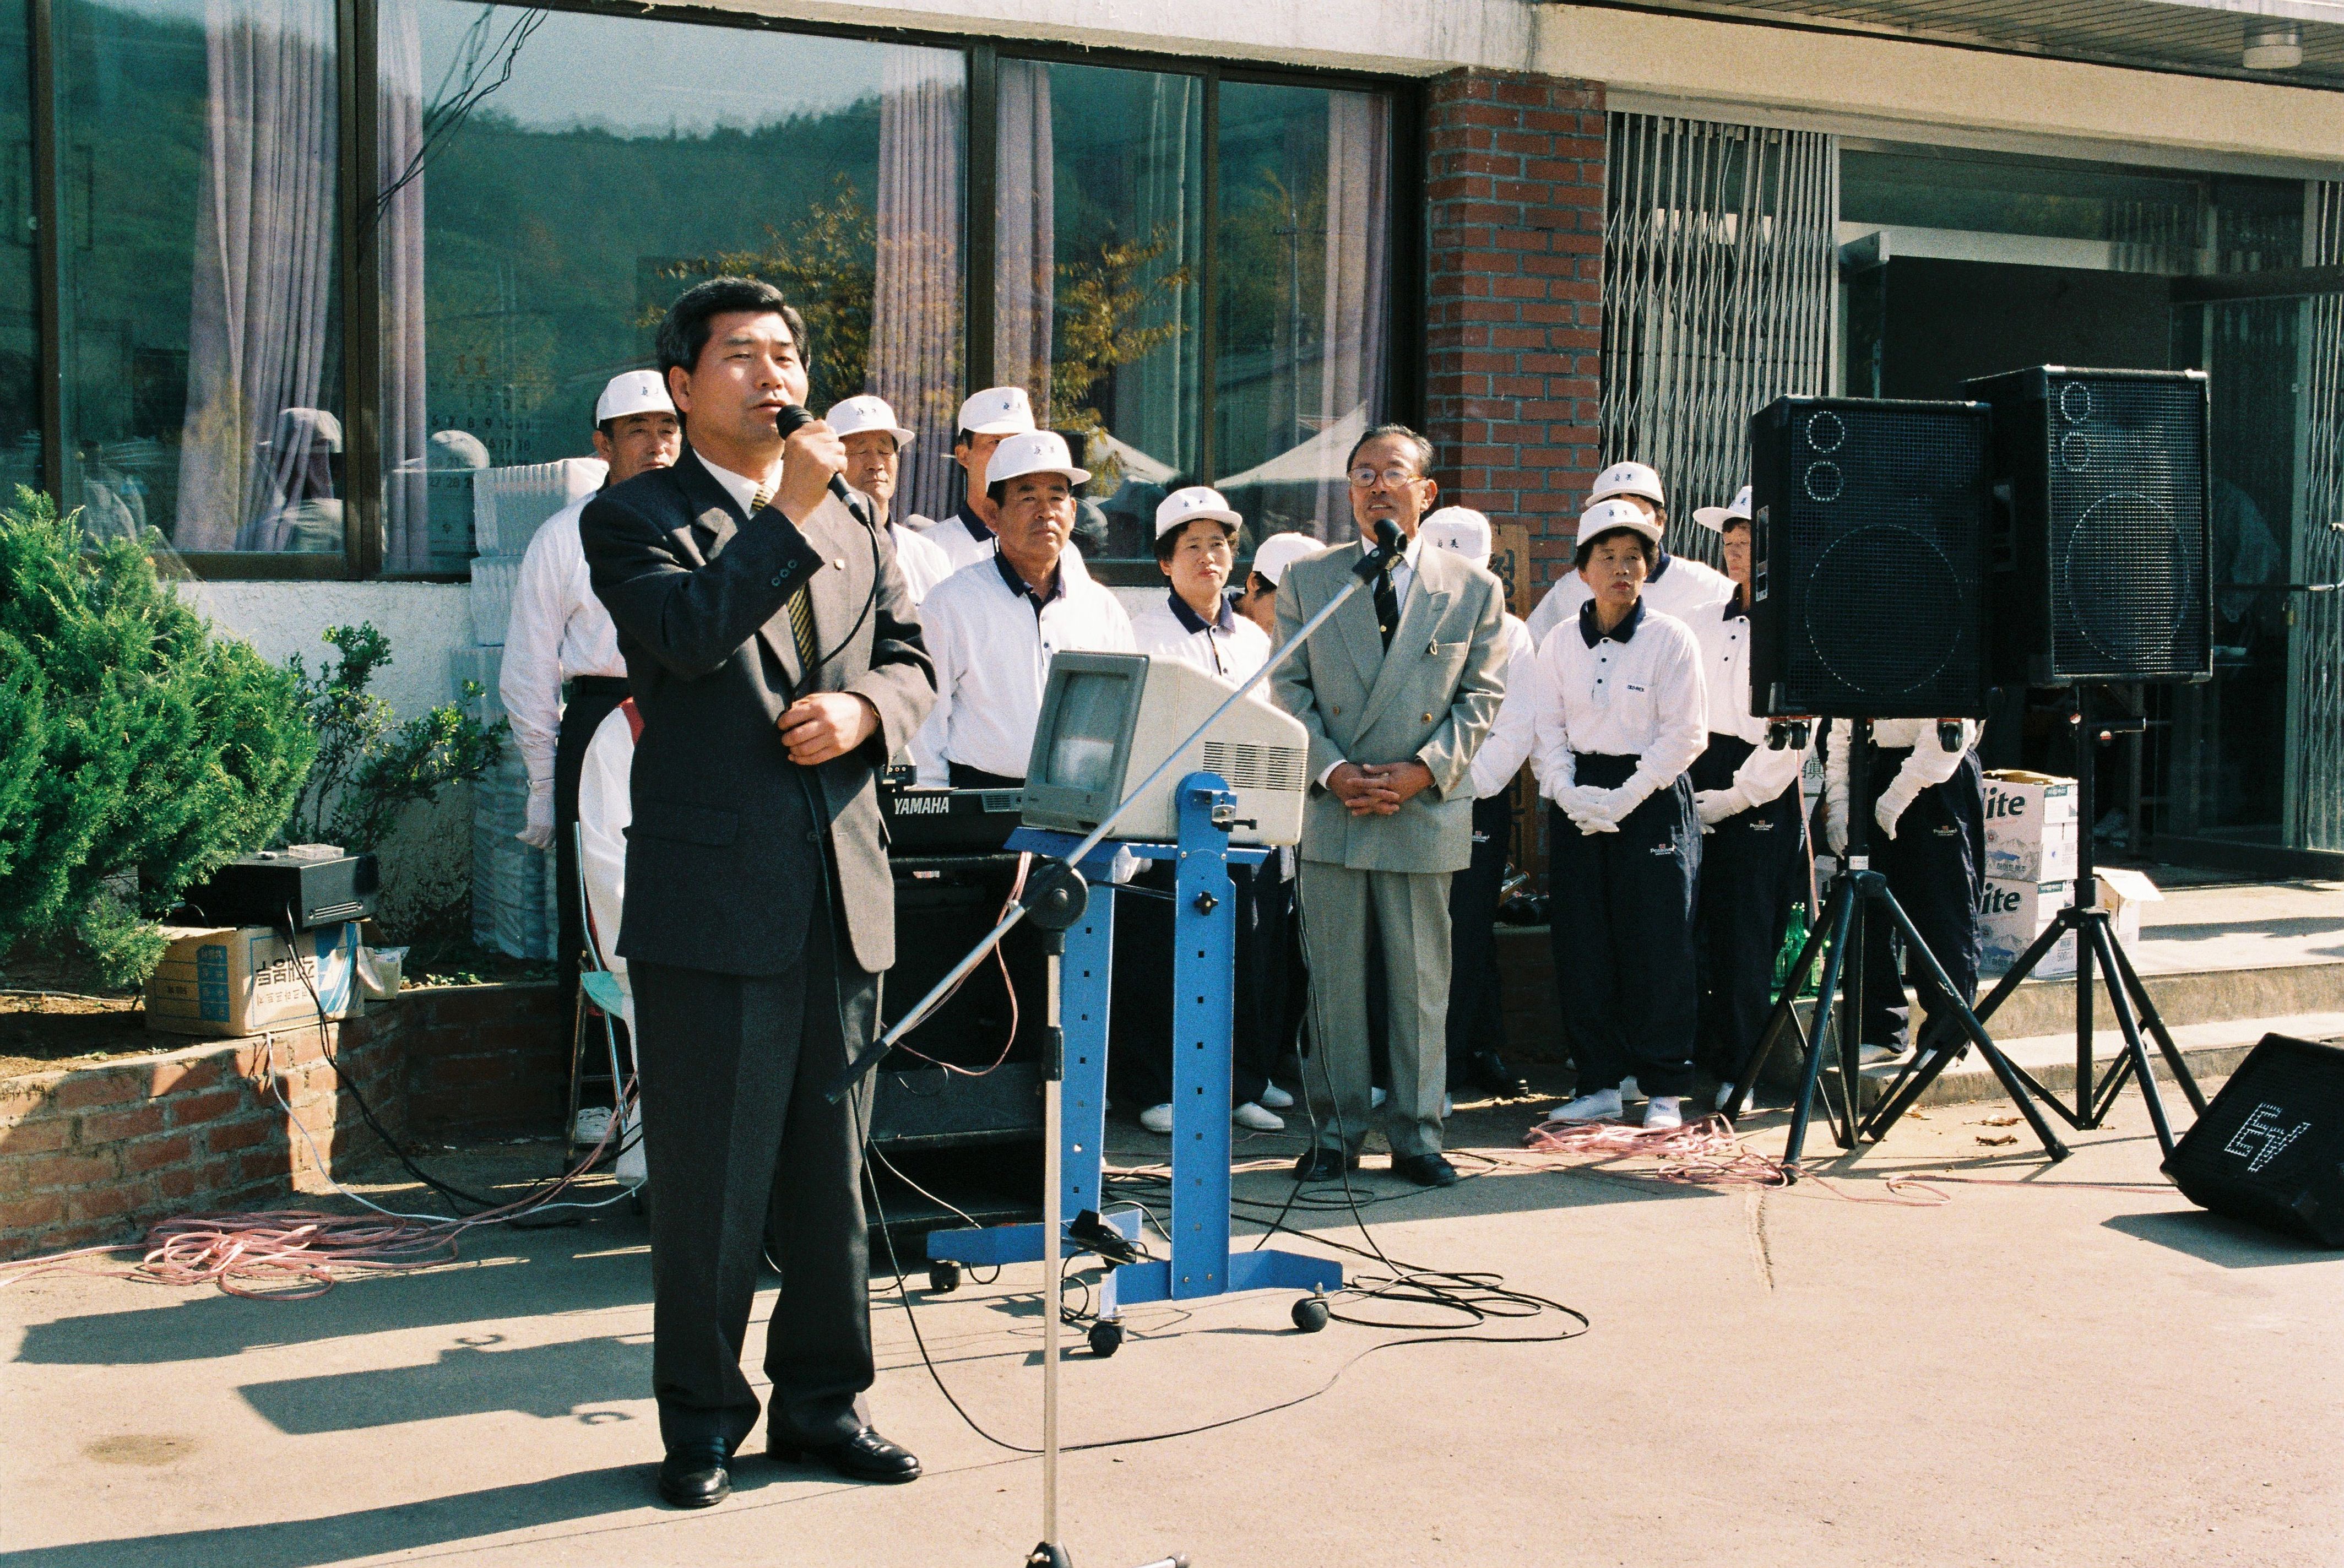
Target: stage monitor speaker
x,y
2271,1147
1869,525
2100,538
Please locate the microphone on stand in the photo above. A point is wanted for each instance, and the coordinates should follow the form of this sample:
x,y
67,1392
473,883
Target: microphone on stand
x,y
1389,547
790,419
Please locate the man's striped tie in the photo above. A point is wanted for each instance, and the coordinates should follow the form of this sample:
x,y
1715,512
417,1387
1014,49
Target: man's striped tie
x,y
801,603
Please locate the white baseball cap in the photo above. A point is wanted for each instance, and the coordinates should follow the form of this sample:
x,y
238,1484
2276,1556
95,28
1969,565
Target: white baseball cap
x,y
1033,451
1606,515
1183,506
1280,551
1715,517
852,416
997,411
1629,478
1458,528
633,393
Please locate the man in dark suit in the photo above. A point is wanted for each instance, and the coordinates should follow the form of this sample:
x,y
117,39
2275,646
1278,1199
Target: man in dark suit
x,y
775,658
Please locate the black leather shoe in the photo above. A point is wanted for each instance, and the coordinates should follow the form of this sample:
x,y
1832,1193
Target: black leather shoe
x,y
696,1475
1425,1170
1324,1165
865,1456
1487,1070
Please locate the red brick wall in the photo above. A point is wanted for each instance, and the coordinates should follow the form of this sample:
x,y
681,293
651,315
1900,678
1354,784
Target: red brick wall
x,y
1514,224
95,1153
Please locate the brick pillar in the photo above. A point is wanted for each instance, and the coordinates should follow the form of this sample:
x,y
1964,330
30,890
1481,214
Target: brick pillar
x,y
1515,220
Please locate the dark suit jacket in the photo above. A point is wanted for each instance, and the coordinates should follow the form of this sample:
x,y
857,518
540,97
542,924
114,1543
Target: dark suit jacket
x,y
724,859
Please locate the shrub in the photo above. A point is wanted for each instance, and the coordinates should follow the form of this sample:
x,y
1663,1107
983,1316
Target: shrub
x,y
138,751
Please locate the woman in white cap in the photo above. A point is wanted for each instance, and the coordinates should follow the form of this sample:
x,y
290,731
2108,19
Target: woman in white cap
x,y
1258,601
1754,853
875,446
986,420
1477,1024
1622,714
1196,548
993,626
1678,585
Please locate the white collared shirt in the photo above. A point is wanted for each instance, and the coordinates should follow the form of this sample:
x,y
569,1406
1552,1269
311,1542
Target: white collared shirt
x,y
559,630
1683,588
991,646
1724,631
960,543
923,561
739,486
1231,648
1512,738
1641,696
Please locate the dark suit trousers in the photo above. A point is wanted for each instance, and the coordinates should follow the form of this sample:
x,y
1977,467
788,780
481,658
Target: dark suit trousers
x,y
1933,866
1477,1013
747,1155
1140,1022
1754,866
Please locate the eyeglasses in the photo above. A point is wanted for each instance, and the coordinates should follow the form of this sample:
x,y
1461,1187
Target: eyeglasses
x,y
1394,477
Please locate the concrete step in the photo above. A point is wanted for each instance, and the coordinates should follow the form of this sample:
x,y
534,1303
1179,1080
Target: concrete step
x,y
2212,1051
2183,999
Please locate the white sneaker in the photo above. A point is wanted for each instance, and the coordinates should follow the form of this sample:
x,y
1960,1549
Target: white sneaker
x,y
1603,1105
1629,1089
1247,1114
1873,1055
1725,1093
1376,1098
594,1121
1157,1118
1276,1099
1663,1112
1448,1106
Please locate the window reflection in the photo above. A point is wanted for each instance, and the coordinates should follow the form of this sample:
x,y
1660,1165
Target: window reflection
x,y
197,144
552,180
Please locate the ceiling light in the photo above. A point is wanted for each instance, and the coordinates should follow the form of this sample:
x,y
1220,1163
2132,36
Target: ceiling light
x,y
2273,46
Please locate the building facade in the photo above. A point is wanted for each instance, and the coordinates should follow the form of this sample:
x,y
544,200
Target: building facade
x,y
284,282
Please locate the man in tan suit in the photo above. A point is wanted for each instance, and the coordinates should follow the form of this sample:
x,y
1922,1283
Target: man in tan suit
x,y
1397,690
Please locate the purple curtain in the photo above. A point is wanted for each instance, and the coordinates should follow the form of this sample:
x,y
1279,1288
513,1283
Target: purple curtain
x,y
256,441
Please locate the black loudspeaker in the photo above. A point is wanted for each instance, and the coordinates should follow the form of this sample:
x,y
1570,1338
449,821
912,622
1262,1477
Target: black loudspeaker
x,y
1868,557
2100,538
2271,1147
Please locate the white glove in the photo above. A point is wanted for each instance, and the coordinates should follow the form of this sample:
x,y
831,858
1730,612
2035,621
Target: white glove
x,y
536,830
1836,828
1714,805
1579,803
1891,806
1612,807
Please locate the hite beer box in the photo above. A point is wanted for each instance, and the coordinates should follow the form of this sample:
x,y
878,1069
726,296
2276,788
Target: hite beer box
x,y
2030,827
241,979
2012,915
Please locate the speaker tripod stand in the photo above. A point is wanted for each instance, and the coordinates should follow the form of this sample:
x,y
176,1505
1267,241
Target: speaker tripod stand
x,y
2097,952
1857,890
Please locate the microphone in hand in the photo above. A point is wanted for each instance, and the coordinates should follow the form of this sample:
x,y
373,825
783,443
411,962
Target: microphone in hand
x,y
788,421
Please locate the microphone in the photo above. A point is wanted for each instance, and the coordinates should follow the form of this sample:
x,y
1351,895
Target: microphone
x,y
1389,547
790,419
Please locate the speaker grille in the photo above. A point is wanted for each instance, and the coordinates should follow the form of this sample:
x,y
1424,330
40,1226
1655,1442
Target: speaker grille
x,y
1248,766
2128,518
1874,557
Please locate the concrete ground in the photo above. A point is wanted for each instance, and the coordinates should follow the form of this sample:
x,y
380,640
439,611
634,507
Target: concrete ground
x,y
2058,1365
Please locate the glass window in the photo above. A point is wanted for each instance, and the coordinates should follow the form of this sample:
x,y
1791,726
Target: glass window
x,y
20,323
1100,214
1303,290
197,142
552,180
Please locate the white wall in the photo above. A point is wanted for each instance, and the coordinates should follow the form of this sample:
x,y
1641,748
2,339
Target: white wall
x,y
422,619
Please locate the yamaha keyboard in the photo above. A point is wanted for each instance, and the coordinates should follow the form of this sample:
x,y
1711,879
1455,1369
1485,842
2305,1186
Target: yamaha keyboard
x,y
924,822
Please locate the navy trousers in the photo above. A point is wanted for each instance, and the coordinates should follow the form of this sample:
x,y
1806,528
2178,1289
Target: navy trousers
x,y
1753,867
1477,1013
1622,928
1933,865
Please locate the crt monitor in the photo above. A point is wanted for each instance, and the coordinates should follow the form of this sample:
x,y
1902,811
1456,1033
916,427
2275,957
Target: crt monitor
x,y
1108,719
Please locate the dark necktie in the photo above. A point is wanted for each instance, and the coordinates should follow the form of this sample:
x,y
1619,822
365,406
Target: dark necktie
x,y
801,603
1387,607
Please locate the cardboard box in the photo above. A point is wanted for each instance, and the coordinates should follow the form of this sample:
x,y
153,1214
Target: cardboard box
x,y
2012,915
2056,857
240,980
2031,832
2125,892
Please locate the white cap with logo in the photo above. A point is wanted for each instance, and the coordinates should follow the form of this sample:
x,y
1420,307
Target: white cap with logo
x,y
997,411
1183,506
1629,478
1606,515
852,416
633,393
1717,517
1033,451
1280,551
1460,530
